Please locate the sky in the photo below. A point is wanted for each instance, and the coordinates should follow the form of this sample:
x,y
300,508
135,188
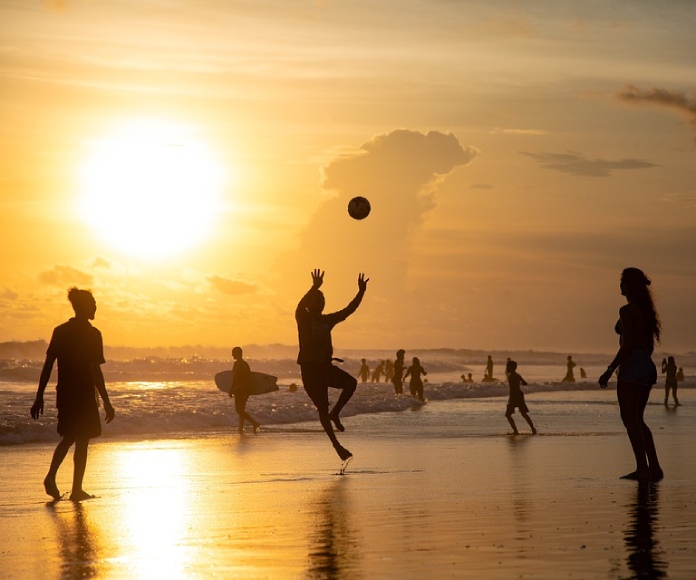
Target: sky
x,y
191,163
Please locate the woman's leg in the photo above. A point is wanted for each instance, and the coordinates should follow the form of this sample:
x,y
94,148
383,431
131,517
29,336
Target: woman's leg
x,y
631,405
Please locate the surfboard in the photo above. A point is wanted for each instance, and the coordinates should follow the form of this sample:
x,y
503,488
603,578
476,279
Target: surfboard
x,y
261,383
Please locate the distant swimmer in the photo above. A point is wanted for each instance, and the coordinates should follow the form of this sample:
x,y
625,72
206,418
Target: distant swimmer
x,y
488,375
570,376
467,378
378,372
241,389
416,383
78,348
680,375
669,368
398,376
364,372
388,370
516,398
316,355
638,328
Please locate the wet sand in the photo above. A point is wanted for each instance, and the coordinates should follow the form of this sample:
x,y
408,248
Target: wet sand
x,y
442,492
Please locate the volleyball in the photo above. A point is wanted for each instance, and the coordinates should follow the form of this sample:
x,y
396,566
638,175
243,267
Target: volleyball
x,y
359,208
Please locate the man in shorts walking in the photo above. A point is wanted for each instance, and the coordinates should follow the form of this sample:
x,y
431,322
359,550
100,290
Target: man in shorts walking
x,y
316,355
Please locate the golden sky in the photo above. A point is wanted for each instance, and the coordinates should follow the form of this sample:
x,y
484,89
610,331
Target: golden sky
x,y
191,163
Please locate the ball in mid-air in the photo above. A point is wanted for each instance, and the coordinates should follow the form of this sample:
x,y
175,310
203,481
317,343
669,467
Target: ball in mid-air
x,y
359,208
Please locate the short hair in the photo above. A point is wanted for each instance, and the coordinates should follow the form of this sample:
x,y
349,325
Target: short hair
x,y
80,299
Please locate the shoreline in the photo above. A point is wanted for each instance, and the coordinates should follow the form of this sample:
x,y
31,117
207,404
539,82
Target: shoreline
x,y
426,495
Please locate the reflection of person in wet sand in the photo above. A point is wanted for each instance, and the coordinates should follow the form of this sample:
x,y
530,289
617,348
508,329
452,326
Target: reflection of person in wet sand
x,y
669,368
516,399
316,355
570,376
644,555
638,328
364,372
415,385
241,389
78,348
378,372
398,376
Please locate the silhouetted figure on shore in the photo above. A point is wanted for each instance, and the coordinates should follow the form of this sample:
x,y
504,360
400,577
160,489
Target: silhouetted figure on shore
x,y
364,372
241,389
78,348
570,376
378,372
415,385
669,369
516,398
398,377
638,328
316,355
680,375
583,374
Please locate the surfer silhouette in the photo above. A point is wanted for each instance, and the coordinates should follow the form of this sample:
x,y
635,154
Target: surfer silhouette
x,y
241,389
78,348
316,355
516,399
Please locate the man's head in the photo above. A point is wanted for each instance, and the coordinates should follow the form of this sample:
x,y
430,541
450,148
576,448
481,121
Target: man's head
x,y
83,303
237,352
317,303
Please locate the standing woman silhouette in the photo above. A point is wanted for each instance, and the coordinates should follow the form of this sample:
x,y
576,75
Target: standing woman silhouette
x,y
638,328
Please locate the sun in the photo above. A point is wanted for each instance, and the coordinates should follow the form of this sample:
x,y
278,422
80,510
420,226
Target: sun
x,y
151,189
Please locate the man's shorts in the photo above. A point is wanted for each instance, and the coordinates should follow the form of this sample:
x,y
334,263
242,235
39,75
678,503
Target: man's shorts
x,y
317,377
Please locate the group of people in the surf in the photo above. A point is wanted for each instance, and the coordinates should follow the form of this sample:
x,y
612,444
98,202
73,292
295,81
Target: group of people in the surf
x,y
78,349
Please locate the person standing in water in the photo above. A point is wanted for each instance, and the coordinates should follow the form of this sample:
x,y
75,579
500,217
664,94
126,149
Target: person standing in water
x,y
570,376
638,328
316,355
516,398
398,375
78,348
364,372
669,368
416,383
241,389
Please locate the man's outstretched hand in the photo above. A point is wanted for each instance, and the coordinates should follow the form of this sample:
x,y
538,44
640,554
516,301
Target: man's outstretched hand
x,y
362,282
317,278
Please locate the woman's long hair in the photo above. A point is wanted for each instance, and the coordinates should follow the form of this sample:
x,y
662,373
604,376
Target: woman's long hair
x,y
637,286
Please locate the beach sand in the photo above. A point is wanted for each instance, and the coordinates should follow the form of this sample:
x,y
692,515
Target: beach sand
x,y
440,492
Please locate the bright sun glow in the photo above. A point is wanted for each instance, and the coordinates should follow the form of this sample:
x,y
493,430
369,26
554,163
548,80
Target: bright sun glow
x,y
151,189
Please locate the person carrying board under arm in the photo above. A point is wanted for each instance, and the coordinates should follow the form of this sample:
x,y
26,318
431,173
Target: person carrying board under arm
x,y
316,355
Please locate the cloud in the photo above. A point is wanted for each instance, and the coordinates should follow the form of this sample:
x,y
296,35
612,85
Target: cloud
x,y
65,276
577,164
499,131
400,173
231,287
664,98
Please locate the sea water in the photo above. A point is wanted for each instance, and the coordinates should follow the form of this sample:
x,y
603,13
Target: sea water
x,y
164,398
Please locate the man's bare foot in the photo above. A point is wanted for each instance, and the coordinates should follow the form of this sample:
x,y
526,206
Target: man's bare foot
x,y
257,426
656,474
534,431
51,488
343,453
80,496
337,423
636,476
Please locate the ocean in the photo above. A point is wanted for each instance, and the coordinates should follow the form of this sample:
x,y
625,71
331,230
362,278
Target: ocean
x,y
158,397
